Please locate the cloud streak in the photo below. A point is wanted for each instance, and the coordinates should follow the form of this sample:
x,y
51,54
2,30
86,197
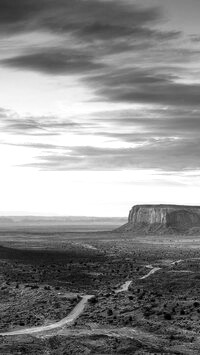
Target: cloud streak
x,y
95,29
54,61
181,155
136,85
73,15
14,125
169,142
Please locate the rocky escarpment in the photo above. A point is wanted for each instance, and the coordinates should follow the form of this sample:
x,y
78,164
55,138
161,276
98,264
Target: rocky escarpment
x,y
163,219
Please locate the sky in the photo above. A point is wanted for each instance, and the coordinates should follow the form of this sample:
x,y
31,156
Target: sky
x,y
99,105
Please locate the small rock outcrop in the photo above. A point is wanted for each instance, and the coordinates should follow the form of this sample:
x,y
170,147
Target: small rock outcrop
x,y
162,219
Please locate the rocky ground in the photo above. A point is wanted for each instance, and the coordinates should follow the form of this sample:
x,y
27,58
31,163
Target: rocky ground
x,y
159,314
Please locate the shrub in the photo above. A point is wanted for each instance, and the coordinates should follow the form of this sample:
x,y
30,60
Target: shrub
x,y
109,312
93,300
167,316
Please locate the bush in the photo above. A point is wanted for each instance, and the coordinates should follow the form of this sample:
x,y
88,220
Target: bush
x,y
167,316
109,312
93,300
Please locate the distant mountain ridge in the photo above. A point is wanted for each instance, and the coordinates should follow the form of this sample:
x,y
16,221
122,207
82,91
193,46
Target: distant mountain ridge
x,y
163,219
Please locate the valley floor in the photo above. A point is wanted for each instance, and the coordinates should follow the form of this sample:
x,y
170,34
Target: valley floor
x,y
146,294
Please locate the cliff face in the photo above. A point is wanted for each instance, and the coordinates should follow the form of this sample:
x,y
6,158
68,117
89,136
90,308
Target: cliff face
x,y
162,218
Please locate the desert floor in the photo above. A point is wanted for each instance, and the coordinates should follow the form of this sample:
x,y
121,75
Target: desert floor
x,y
145,293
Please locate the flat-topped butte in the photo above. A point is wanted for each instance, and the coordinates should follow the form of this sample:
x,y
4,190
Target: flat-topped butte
x,y
162,218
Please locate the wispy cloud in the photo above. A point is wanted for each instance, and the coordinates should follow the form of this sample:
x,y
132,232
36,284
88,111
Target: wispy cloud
x,y
168,142
54,61
69,15
181,155
148,86
94,30
12,123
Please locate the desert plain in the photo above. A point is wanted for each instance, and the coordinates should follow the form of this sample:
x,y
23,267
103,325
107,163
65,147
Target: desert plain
x,y
85,288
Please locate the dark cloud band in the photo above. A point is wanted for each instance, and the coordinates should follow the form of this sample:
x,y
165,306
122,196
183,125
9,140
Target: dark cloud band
x,y
54,61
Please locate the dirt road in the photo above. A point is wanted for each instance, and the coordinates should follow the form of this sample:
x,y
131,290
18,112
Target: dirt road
x,y
124,287
150,273
78,309
75,313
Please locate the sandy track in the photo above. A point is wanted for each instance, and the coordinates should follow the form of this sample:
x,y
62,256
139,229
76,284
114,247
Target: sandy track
x,y
75,313
176,262
124,287
150,273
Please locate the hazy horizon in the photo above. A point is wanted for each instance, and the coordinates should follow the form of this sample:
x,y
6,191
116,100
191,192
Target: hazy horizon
x,y
30,214
21,215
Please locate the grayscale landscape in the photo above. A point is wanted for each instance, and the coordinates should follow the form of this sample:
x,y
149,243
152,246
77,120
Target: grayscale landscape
x,y
99,177
114,292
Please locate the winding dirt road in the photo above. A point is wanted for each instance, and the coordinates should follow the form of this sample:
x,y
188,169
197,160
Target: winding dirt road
x,y
78,309
150,273
124,287
75,313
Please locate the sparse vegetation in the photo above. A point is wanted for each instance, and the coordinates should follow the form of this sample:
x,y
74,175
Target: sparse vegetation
x,y
40,286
